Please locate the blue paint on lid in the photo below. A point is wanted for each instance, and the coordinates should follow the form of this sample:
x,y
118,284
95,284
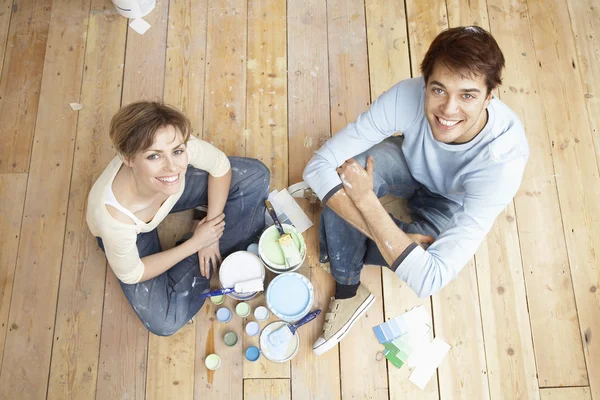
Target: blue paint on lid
x,y
223,314
289,295
252,353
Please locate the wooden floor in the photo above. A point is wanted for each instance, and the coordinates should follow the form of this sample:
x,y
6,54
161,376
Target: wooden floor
x,y
273,79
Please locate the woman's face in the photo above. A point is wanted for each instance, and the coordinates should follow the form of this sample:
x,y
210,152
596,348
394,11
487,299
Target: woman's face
x,y
161,168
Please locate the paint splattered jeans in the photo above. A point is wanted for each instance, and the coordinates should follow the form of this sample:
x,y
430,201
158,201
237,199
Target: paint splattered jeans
x,y
346,248
166,302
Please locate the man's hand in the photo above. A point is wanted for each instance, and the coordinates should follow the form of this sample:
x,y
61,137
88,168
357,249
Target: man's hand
x,y
358,182
207,254
421,239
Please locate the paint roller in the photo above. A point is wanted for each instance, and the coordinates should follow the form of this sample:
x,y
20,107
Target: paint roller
x,y
249,286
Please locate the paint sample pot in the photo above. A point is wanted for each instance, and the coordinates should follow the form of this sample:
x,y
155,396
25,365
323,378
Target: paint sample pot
x,y
230,338
270,252
242,310
252,328
252,353
217,300
282,353
212,362
290,296
261,313
224,314
239,267
253,248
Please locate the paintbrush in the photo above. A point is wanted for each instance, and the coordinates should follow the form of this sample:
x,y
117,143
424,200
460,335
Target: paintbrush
x,y
291,254
253,285
287,331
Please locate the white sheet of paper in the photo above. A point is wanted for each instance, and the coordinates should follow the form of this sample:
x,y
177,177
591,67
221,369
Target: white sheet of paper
x,y
429,361
139,25
76,106
294,212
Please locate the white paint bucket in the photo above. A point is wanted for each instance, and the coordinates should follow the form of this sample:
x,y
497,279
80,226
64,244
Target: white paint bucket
x,y
239,267
271,254
282,353
134,8
290,296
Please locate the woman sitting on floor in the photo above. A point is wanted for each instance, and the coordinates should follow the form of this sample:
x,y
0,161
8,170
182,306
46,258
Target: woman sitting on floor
x,y
160,169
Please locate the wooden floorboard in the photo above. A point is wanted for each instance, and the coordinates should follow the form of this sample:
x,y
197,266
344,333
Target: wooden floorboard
x,y
124,342
273,79
74,367
6,7
26,361
21,80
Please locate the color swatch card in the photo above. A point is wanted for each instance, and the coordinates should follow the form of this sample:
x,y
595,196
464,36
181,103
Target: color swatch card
x,y
430,358
413,320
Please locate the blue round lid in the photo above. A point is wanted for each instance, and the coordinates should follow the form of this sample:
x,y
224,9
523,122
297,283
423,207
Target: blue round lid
x,y
252,353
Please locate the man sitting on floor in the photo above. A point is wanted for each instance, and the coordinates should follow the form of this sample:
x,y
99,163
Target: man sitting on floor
x,y
459,163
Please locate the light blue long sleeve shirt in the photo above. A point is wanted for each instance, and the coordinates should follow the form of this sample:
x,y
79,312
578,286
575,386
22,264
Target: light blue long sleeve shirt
x,y
482,175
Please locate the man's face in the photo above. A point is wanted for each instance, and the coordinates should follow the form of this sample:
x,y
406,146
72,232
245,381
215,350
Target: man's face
x,y
455,105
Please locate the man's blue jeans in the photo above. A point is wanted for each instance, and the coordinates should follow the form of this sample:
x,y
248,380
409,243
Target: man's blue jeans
x,y
166,302
346,248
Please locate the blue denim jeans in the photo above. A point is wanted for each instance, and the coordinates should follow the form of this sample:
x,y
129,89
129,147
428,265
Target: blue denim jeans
x,y
166,302
346,248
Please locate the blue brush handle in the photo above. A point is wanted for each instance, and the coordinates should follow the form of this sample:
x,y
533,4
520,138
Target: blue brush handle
x,y
217,292
309,317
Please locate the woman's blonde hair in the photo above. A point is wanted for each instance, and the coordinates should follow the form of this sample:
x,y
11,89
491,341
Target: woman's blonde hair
x,y
133,127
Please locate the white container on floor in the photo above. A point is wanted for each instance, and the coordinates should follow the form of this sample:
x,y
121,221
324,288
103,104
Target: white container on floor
x,y
134,8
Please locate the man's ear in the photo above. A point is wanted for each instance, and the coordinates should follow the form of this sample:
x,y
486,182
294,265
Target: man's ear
x,y
489,97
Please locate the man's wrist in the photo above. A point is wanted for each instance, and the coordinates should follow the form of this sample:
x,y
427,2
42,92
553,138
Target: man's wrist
x,y
366,202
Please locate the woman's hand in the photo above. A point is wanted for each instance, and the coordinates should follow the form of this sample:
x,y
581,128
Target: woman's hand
x,y
209,232
206,255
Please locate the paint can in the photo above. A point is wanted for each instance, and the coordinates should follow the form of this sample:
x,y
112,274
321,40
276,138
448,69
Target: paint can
x,y
212,362
239,267
252,353
243,310
134,8
290,296
261,313
230,338
252,328
283,352
217,300
224,314
271,254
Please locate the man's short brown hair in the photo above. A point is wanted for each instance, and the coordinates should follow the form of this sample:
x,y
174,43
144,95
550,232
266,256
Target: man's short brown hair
x,y
133,127
468,50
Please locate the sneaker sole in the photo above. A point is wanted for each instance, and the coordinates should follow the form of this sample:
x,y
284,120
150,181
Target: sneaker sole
x,y
335,339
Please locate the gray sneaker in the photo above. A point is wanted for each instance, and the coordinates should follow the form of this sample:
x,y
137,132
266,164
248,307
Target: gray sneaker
x,y
340,318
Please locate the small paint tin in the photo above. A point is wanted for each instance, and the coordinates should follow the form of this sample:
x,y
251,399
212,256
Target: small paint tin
x,y
290,296
252,328
283,352
253,248
217,300
252,353
239,267
224,314
270,252
242,309
212,362
261,313
230,338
